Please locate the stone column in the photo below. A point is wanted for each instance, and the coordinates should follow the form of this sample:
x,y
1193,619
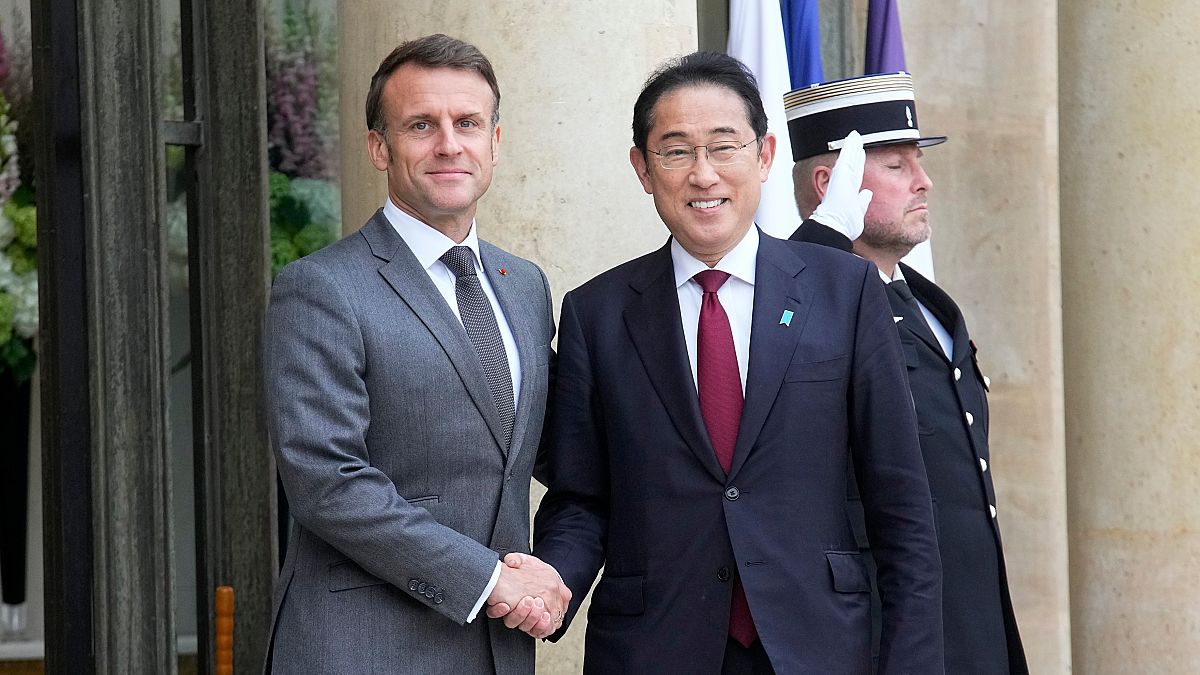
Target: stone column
x,y
986,76
1130,94
564,194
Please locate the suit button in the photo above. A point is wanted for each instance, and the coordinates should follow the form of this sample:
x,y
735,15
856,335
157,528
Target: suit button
x,y
992,509
421,587
429,593
732,494
987,383
957,374
982,464
412,584
722,574
437,598
970,419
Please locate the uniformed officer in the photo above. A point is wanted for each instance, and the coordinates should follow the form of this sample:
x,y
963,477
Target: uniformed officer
x,y
829,125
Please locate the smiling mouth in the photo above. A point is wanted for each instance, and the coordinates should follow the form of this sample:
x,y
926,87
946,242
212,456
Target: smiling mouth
x,y
707,203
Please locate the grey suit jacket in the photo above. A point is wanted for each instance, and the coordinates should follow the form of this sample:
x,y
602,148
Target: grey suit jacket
x,y
392,458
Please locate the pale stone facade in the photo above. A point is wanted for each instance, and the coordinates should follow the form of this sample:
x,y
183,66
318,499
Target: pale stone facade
x,y
1083,331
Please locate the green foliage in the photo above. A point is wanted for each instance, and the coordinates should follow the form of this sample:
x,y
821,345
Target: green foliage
x,y
23,249
305,217
17,355
8,307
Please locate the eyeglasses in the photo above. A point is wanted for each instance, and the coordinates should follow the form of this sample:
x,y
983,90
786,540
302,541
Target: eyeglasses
x,y
684,156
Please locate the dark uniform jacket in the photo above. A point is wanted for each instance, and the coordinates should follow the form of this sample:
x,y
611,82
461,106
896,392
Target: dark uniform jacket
x,y
981,634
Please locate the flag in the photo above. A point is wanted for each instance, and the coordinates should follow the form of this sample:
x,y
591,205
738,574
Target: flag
x,y
885,46
885,54
802,34
756,39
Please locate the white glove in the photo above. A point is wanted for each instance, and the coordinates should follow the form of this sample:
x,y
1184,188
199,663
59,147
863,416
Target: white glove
x,y
845,205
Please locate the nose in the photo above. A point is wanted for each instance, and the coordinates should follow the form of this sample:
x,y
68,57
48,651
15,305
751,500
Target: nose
x,y
703,174
447,141
921,181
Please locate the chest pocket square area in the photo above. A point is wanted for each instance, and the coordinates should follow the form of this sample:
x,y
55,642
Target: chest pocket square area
x,y
818,371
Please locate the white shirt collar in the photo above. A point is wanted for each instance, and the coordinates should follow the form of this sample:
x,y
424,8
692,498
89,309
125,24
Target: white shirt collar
x,y
739,262
427,243
897,275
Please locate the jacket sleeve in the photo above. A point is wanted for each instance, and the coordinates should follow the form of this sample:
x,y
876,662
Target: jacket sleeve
x,y
572,521
895,492
319,413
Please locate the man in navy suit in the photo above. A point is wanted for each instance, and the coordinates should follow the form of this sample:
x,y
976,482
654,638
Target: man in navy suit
x,y
707,398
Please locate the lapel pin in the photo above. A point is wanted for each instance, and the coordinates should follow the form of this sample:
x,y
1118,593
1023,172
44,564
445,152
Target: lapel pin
x,y
503,272
897,319
786,319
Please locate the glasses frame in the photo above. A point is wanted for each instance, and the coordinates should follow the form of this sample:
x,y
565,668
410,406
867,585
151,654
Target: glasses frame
x,y
662,159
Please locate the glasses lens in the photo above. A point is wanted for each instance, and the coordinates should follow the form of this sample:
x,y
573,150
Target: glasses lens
x,y
723,152
677,156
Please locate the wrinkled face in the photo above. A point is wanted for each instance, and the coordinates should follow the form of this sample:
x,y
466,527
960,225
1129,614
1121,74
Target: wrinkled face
x,y
707,208
898,218
440,144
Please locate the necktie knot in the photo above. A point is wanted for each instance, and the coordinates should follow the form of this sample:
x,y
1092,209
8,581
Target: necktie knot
x,y
711,280
902,289
460,260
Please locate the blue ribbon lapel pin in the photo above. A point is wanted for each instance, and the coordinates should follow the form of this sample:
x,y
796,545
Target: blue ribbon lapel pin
x,y
786,319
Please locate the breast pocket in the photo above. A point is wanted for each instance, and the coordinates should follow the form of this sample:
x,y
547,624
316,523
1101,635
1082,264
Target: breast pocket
x,y
818,371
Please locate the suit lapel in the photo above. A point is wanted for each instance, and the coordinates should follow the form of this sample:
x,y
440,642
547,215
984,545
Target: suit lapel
x,y
412,283
943,309
652,319
516,313
912,324
778,287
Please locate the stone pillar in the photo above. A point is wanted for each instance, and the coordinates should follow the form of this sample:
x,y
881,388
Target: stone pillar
x,y
986,75
1129,86
564,194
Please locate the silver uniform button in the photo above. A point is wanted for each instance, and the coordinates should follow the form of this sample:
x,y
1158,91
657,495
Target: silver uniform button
x,y
970,419
982,464
987,382
993,509
957,374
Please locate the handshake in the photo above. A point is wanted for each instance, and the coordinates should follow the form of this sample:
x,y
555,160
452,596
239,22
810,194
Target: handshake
x,y
529,595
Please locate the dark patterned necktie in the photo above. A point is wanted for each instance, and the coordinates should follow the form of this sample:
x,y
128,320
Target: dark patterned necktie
x,y
720,384
484,333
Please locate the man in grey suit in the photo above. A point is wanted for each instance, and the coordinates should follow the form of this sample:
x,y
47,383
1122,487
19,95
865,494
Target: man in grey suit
x,y
407,367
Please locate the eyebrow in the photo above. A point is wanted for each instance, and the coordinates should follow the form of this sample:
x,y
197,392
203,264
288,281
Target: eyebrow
x,y
417,117
679,134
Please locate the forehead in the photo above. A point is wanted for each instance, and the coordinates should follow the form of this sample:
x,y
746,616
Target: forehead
x,y
895,151
414,89
699,111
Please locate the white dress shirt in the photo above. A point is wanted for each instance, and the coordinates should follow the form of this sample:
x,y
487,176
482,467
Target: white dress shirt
x,y
736,296
939,331
428,245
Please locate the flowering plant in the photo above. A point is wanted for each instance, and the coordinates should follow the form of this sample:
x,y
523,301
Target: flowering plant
x,y
18,257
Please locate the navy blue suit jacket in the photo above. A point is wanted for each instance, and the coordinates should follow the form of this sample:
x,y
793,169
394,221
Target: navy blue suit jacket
x,y
635,487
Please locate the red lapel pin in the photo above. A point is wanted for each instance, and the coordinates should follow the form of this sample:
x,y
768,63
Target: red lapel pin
x,y
503,272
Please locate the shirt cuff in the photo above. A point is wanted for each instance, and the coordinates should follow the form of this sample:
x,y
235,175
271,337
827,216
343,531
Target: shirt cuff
x,y
486,592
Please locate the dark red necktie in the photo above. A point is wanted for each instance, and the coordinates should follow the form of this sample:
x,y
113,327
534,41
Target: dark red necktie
x,y
720,385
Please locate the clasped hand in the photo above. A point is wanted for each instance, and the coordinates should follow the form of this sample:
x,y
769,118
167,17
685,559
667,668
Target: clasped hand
x,y
529,596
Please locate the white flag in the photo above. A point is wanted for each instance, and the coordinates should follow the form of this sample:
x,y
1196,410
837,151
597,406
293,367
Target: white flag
x,y
756,39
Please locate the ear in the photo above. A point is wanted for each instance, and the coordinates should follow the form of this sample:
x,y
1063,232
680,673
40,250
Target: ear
x,y
820,181
496,146
377,150
638,160
766,156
